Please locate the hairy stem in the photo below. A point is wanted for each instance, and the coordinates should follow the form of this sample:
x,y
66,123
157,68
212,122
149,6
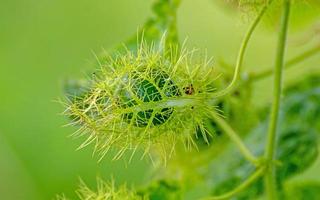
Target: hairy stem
x,y
250,180
235,138
270,150
243,48
296,60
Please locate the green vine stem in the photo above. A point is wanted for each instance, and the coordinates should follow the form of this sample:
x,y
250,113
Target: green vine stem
x,y
243,48
235,138
250,180
290,63
229,131
270,150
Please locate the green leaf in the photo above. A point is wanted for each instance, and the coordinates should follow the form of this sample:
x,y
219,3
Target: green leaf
x,y
162,189
301,191
302,104
298,143
298,149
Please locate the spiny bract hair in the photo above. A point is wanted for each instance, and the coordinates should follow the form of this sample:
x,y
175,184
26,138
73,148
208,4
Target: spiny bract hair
x,y
104,191
150,98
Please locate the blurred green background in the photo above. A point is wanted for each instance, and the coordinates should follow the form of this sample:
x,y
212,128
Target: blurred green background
x,y
44,42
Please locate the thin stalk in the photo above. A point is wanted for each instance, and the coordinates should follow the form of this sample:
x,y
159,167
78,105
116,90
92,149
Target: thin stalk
x,y
270,150
290,63
234,138
242,51
250,180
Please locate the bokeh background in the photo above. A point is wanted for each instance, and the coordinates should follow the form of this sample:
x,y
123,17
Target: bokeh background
x,y
42,43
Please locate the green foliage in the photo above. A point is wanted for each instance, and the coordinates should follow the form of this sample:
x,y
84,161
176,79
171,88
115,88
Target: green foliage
x,y
297,143
162,189
302,104
302,190
298,151
161,26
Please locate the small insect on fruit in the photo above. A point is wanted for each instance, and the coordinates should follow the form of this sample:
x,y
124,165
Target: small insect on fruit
x,y
189,90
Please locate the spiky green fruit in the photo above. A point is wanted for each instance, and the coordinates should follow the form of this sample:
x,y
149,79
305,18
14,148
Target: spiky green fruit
x,y
148,98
